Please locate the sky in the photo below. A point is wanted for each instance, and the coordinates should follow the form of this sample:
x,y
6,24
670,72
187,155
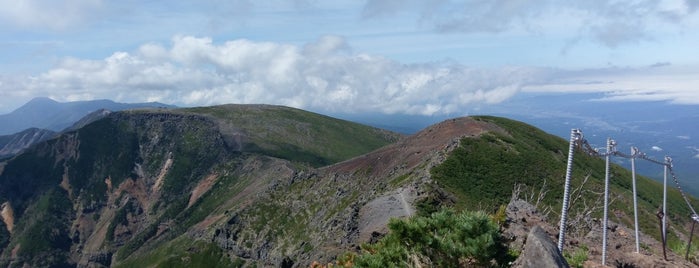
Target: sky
x,y
409,57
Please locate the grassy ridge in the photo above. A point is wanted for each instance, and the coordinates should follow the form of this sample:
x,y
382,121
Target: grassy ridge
x,y
298,135
482,173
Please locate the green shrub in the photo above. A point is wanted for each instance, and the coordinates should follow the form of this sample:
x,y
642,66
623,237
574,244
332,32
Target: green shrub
x,y
500,217
444,239
577,258
680,248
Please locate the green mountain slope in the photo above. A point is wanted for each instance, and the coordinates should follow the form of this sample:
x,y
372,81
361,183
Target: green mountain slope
x,y
138,178
258,185
483,172
294,134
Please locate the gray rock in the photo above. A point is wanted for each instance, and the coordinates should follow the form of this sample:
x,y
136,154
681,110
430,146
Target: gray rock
x,y
540,251
11,145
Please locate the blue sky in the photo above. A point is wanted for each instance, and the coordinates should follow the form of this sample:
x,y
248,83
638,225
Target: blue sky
x,y
430,57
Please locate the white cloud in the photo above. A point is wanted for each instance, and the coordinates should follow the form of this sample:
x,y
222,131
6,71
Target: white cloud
x,y
327,75
57,15
323,75
656,148
684,137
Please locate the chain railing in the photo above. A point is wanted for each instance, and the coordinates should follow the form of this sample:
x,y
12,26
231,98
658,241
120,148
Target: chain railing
x,y
577,140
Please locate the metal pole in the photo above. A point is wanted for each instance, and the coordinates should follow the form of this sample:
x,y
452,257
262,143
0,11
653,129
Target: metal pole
x,y
575,135
660,216
634,153
610,147
667,163
689,245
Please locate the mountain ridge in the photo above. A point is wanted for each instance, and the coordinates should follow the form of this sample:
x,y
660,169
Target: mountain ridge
x,y
261,185
46,113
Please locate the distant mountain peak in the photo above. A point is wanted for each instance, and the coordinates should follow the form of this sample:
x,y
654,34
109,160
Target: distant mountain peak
x,y
47,113
36,103
42,100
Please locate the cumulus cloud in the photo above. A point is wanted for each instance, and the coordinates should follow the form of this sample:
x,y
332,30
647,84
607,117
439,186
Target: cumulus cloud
x,y
611,23
323,75
656,148
327,75
57,15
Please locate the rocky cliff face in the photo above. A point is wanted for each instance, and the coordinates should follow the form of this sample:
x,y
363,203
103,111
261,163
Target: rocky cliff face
x,y
107,181
12,144
133,181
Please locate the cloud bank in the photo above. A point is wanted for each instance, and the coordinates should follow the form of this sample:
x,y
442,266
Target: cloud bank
x,y
324,75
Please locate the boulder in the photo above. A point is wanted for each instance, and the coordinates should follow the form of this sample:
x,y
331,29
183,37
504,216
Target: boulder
x,y
540,251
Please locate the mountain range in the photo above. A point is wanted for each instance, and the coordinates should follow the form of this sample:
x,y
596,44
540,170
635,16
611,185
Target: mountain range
x,y
261,185
43,118
45,113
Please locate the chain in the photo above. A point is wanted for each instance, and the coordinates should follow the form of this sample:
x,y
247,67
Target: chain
x,y
686,199
578,140
645,157
588,149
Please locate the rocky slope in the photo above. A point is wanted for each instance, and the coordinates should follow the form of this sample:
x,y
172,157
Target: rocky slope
x,y
317,214
259,185
15,143
124,183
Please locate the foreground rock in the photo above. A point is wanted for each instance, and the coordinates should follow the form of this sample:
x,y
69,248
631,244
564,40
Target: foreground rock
x,y
540,251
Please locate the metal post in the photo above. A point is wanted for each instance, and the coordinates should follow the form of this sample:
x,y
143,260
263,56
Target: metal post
x,y
575,135
667,164
634,153
660,216
689,244
610,148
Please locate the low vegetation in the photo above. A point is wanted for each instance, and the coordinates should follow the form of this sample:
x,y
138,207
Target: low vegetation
x,y
680,248
578,257
183,252
444,239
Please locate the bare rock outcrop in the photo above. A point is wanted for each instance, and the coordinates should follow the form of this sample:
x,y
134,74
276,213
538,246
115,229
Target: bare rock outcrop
x,y
540,251
13,144
7,215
